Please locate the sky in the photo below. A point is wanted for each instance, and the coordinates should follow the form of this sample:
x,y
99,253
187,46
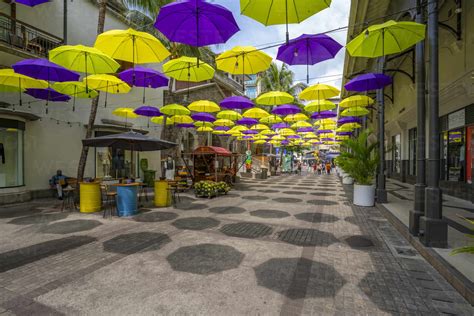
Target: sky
x,y
255,34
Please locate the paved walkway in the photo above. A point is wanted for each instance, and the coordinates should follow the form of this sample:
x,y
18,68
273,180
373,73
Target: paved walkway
x,y
289,245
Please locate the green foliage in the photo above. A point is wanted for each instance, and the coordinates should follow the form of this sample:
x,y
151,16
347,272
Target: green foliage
x,y
280,79
359,158
465,249
210,188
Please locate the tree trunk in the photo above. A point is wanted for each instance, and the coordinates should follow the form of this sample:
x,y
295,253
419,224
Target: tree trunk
x,y
95,102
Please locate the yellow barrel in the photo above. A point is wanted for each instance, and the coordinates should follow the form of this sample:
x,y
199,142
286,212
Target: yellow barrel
x,y
91,200
162,194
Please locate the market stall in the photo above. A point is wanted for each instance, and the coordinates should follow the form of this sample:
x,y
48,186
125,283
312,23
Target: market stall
x,y
214,164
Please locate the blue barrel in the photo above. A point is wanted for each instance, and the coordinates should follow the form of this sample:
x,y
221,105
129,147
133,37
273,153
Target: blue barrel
x,y
127,200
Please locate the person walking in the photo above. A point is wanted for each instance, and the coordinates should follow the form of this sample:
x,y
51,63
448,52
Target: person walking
x,y
298,166
328,168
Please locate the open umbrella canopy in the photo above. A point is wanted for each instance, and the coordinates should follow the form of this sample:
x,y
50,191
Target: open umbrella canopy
x,y
259,127
250,132
76,89
247,121
319,92
255,113
267,132
148,111
31,3
236,103
204,129
196,23
48,94
323,115
296,117
221,128
204,106
125,112
160,120
286,132
286,109
223,123
238,128
271,119
44,69
370,81
8,77
304,129
107,83
301,124
350,126
387,38
181,119
174,109
320,106
203,124
129,141
229,115
82,58
203,116
355,111
144,77
275,98
280,125
243,60
132,46
349,119
356,100
186,69
308,49
185,125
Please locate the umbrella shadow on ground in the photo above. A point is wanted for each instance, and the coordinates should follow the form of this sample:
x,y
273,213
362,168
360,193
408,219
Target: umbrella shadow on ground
x,y
227,210
298,278
42,218
196,223
287,200
128,244
294,192
69,227
317,217
307,237
205,259
22,256
263,213
246,230
186,206
268,191
359,242
321,202
151,217
254,197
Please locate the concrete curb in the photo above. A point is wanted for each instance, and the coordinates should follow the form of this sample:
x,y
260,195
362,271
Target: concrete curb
x,y
464,286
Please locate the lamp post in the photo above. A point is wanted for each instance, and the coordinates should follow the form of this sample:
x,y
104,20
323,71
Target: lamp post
x,y
433,229
381,192
419,203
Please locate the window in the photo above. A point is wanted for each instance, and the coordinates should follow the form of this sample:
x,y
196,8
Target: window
x,y
456,155
114,162
412,134
396,153
251,92
11,153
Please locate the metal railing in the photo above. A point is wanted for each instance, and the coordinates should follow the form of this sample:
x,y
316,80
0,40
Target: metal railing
x,y
25,37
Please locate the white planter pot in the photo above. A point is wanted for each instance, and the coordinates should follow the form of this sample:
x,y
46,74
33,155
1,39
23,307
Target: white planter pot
x,y
346,179
364,195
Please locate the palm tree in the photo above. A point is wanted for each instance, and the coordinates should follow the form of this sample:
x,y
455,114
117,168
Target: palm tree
x,y
278,79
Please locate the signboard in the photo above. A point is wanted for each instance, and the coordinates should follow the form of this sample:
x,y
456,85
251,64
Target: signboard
x,y
457,119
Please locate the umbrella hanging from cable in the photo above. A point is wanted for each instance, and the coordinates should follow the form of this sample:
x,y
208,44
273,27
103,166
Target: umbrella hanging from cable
x,y
237,103
144,77
75,89
148,111
11,79
275,98
108,84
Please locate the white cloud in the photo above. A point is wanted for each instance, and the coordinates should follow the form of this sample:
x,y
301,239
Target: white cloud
x,y
255,34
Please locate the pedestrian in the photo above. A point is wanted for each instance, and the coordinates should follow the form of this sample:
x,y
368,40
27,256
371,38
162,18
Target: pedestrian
x,y
328,168
315,168
298,167
59,182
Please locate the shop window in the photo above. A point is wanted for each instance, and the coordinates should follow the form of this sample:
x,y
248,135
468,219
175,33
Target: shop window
x,y
112,162
412,134
396,153
456,155
11,153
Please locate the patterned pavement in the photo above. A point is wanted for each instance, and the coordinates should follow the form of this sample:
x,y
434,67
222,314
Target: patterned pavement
x,y
287,245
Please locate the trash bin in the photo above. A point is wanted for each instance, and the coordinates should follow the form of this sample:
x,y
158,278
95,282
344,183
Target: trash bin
x,y
149,177
264,173
90,197
162,193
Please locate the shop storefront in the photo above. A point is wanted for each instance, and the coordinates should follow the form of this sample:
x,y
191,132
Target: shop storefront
x,y
11,153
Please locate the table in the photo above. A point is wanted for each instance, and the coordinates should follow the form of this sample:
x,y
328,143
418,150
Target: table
x,y
127,199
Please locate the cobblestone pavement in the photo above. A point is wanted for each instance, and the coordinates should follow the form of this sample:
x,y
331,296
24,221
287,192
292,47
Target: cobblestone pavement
x,y
286,245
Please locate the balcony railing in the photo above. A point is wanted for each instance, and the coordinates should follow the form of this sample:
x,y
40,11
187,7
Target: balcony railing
x,y
25,37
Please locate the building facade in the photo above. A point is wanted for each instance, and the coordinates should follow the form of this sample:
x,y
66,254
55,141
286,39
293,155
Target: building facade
x,y
35,142
456,110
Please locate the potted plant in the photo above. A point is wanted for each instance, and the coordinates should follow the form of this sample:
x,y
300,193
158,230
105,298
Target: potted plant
x,y
360,159
345,177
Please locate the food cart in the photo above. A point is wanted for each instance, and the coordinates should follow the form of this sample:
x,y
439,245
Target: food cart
x,y
214,163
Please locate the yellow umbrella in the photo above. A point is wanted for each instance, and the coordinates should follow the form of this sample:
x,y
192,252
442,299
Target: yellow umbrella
x,y
186,69
278,138
319,106
356,100
160,119
204,106
181,119
107,83
351,125
275,142
229,115
355,111
76,89
259,142
325,121
16,81
344,129
301,124
255,113
174,109
275,98
82,58
243,60
204,129
296,117
310,136
127,113
238,128
268,132
259,127
132,46
271,119
286,132
223,122
260,137
390,37
312,141
203,124
319,92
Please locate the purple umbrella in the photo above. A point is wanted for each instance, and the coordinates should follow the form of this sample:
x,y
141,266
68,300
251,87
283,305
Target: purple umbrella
x,y
324,131
349,119
293,136
246,121
370,81
48,94
285,142
308,49
196,23
45,70
144,77
185,125
236,102
247,137
204,117
327,139
221,128
286,109
31,3
344,133
250,132
280,125
148,111
323,115
304,129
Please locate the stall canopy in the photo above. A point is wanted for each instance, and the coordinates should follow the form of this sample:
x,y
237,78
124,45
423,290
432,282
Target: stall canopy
x,y
129,141
213,151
